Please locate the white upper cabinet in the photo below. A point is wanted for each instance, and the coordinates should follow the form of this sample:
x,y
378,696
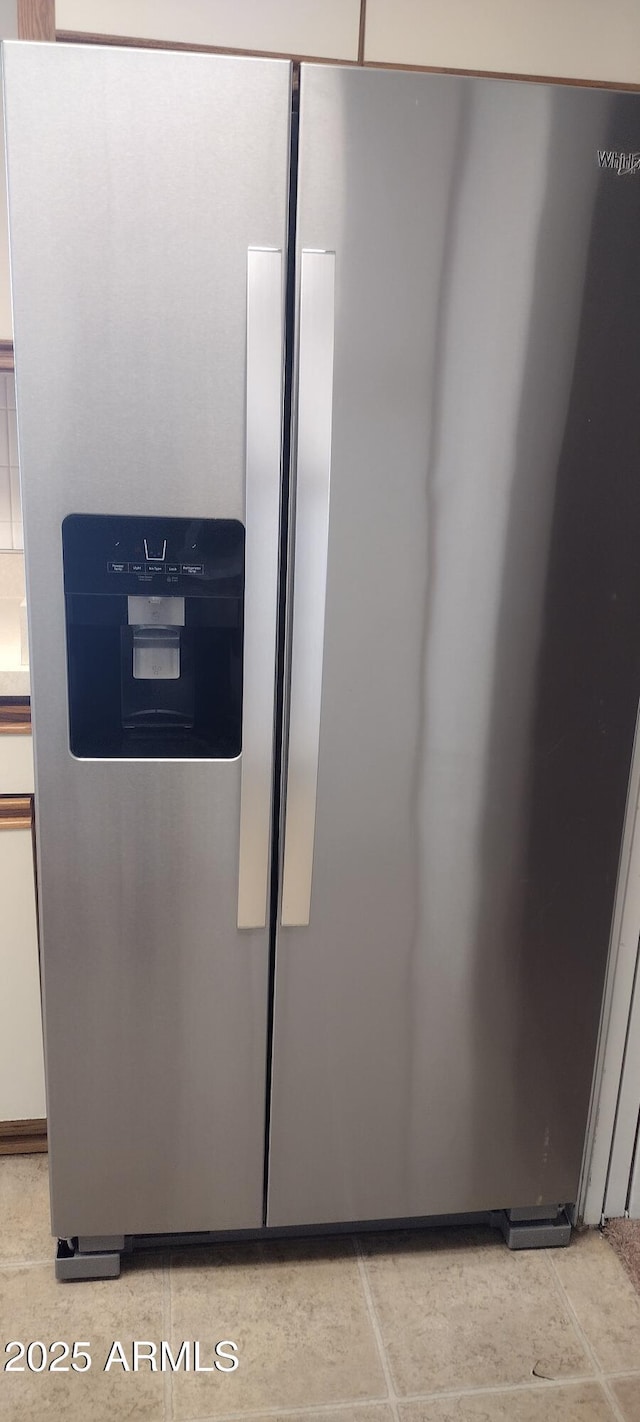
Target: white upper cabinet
x,y
324,28
569,39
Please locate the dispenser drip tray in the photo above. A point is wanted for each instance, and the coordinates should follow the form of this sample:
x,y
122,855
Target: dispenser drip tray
x,y
156,654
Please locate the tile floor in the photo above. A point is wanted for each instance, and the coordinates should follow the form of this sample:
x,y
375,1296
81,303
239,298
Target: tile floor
x,y
445,1326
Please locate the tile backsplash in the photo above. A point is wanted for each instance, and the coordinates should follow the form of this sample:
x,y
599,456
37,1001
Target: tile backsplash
x,y
10,511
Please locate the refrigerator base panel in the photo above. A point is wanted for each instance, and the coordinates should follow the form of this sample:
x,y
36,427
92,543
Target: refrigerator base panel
x,y
98,1256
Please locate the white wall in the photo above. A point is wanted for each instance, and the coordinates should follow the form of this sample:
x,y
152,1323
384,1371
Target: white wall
x,y
8,30
8,19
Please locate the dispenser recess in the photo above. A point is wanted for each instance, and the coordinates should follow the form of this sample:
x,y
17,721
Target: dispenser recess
x,y
154,618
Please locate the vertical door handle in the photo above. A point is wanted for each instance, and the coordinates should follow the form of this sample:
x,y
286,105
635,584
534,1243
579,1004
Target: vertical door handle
x,y
313,470
265,351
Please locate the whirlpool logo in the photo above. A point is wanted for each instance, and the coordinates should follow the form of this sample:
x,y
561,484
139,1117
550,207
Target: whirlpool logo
x,y
620,163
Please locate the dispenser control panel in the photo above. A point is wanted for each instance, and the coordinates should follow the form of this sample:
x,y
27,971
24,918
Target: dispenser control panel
x,y
126,555
150,570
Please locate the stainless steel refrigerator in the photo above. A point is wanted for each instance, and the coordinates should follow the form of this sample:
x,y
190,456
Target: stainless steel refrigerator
x,y
329,435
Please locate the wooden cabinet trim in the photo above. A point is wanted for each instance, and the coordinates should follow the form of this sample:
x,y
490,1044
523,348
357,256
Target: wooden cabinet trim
x,y
22,1137
361,30
498,74
15,719
16,812
37,20
136,42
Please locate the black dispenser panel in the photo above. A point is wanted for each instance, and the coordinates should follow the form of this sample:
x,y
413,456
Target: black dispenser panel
x,y
154,611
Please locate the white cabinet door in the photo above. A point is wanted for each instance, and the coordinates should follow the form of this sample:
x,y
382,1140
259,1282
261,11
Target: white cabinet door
x,y
297,27
22,1094
571,39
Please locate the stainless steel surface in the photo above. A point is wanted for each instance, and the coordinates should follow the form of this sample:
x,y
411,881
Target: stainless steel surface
x,y
313,475
138,181
265,351
435,1023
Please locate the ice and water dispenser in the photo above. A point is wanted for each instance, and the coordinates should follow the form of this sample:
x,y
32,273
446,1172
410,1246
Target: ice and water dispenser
x,y
154,612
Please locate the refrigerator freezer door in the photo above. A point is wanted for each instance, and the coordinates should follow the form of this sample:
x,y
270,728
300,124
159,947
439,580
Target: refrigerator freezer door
x,y
140,182
435,1022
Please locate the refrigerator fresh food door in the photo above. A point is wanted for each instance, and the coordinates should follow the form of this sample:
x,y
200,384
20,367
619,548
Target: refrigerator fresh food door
x,y
148,205
465,658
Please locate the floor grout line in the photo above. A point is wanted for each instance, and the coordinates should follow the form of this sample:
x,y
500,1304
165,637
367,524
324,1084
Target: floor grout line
x,y
491,1390
27,1264
167,1330
318,1410
375,1324
584,1339
534,1384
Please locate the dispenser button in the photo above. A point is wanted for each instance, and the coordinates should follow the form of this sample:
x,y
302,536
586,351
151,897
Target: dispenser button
x,y
193,569
172,569
136,567
154,568
117,567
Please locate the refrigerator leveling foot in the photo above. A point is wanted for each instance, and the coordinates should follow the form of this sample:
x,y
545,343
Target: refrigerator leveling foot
x,y
540,1227
103,1262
